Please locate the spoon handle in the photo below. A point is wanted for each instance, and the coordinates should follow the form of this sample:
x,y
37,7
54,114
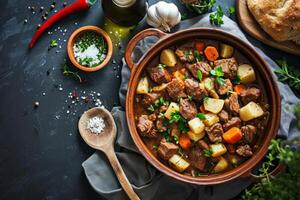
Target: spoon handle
x,y
111,155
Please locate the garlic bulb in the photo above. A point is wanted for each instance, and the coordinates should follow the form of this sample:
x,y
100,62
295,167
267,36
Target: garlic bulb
x,y
163,15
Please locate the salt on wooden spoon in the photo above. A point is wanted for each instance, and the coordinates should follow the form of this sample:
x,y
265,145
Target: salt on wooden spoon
x,y
104,141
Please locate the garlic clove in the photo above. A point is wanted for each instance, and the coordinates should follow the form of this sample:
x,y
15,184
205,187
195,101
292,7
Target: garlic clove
x,y
152,16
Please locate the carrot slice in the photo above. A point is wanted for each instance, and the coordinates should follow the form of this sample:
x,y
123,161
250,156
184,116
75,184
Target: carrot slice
x,y
239,88
184,141
233,135
211,53
200,46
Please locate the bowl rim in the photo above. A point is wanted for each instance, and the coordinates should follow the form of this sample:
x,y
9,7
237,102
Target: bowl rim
x,y
246,167
80,31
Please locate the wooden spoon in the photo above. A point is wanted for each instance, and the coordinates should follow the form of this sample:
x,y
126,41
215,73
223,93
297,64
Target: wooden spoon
x,y
104,142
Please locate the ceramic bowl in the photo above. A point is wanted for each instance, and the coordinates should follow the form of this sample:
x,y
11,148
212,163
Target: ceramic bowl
x,y
80,31
265,80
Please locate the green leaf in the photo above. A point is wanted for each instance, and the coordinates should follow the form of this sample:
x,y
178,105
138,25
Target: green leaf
x,y
53,43
155,147
217,17
207,153
231,10
220,80
198,56
237,80
199,74
151,108
201,116
161,66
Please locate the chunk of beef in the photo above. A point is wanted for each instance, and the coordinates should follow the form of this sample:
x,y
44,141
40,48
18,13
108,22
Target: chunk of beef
x,y
223,88
233,122
187,109
229,67
146,127
202,144
202,66
230,148
215,132
244,150
160,124
150,98
197,159
159,75
224,117
152,117
249,133
194,89
250,94
185,52
166,149
175,89
232,104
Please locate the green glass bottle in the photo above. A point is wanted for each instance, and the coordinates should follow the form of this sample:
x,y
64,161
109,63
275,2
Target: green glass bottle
x,y
125,12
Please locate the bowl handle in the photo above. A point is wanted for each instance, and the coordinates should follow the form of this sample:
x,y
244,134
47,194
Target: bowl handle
x,y
134,41
279,169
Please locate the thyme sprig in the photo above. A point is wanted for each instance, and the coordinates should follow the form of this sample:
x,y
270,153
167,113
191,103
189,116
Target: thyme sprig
x,y
67,71
288,74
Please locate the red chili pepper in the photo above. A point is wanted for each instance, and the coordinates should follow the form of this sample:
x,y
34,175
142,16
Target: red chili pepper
x,y
75,7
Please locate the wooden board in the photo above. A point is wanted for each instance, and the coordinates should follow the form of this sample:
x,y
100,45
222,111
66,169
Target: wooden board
x,y
249,24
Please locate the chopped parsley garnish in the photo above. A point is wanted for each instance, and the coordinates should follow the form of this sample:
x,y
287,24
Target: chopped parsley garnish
x,y
217,17
218,74
201,116
197,56
199,74
205,99
182,123
207,153
190,98
151,108
53,43
237,80
160,102
161,66
176,139
231,10
167,135
155,147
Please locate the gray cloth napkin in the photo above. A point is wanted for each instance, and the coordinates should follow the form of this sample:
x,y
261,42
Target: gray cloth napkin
x,y
147,181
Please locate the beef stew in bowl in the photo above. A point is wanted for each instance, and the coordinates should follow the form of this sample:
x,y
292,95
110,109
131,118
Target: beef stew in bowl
x,y
199,108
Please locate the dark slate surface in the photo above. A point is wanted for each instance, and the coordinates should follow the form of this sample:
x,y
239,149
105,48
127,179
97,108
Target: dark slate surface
x,y
40,149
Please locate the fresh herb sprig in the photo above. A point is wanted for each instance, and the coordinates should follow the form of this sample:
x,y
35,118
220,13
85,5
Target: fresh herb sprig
x,y
182,123
217,17
218,74
288,74
68,72
207,153
283,186
199,6
231,10
53,43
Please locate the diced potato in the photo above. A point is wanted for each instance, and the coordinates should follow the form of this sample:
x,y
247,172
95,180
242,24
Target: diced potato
x,y
178,163
221,165
196,125
173,107
218,149
196,136
208,84
251,111
246,73
159,88
143,86
213,105
214,94
211,119
226,50
178,75
168,57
